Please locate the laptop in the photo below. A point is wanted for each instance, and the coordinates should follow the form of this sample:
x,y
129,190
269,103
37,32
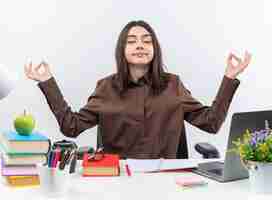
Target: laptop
x,y
231,168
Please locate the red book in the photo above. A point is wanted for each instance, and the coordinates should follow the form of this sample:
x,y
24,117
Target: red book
x,y
107,166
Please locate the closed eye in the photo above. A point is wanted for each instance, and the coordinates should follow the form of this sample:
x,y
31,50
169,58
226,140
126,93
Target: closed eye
x,y
148,41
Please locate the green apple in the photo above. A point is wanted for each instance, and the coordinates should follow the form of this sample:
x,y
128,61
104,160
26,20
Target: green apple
x,y
24,124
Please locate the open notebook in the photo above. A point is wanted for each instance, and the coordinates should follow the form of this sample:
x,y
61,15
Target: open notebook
x,y
155,165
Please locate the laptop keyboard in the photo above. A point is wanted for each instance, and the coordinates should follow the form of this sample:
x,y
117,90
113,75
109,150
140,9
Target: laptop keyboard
x,y
218,172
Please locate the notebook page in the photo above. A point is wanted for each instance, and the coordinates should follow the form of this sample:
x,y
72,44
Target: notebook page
x,y
143,165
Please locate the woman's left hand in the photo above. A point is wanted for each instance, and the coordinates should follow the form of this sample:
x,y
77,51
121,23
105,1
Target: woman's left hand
x,y
233,69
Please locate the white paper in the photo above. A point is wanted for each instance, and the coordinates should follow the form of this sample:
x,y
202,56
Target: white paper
x,y
151,165
168,164
143,165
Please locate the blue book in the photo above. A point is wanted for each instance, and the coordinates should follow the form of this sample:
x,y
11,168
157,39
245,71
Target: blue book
x,y
34,136
13,143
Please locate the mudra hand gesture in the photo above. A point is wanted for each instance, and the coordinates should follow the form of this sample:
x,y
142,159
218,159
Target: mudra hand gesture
x,y
233,70
39,73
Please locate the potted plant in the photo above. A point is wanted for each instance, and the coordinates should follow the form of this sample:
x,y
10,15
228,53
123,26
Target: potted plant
x,y
255,150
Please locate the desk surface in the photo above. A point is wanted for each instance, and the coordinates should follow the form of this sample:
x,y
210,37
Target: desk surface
x,y
139,186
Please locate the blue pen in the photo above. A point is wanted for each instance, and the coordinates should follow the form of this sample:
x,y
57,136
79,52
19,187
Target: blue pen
x,y
50,158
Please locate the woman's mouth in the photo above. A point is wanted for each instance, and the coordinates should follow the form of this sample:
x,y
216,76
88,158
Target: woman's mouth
x,y
140,55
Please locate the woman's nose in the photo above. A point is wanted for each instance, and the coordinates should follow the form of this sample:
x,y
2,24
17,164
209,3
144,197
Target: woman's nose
x,y
139,47
140,44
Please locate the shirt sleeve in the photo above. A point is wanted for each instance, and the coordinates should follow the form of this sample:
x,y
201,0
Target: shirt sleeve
x,y
71,123
208,118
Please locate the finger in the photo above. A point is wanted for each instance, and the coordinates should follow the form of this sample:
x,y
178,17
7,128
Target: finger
x,y
230,57
46,66
239,60
247,58
28,65
36,69
30,75
28,68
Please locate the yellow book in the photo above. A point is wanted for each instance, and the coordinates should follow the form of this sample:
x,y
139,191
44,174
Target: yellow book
x,y
23,181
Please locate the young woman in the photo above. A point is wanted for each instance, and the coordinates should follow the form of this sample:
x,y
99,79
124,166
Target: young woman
x,y
141,109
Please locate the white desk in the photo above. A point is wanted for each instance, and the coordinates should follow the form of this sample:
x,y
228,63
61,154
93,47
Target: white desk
x,y
139,187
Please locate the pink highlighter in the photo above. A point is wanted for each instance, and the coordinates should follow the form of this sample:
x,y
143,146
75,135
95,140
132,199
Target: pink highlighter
x,y
56,158
190,181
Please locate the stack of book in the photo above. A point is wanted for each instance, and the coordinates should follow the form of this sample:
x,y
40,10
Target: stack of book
x,y
108,166
20,155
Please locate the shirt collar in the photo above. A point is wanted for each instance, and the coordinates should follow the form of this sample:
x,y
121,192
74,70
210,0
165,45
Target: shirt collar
x,y
145,80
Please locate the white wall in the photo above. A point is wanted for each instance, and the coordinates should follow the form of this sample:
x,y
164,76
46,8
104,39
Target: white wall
x,y
78,39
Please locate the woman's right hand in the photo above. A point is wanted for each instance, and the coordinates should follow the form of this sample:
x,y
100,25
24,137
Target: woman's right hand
x,y
38,73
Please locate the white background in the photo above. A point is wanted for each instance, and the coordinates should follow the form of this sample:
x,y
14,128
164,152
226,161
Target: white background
x,y
78,39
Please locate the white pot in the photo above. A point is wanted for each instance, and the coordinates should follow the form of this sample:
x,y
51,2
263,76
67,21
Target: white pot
x,y
53,182
260,177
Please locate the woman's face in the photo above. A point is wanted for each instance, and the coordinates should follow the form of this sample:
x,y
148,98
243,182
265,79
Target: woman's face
x,y
139,46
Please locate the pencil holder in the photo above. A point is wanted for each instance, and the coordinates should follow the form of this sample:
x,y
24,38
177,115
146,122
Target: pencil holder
x,y
53,182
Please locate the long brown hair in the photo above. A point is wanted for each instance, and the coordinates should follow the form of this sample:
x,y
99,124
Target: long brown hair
x,y
156,71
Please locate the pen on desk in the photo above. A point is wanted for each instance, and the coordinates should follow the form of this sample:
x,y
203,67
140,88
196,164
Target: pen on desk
x,y
49,159
56,157
52,160
128,170
73,162
64,160
68,161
